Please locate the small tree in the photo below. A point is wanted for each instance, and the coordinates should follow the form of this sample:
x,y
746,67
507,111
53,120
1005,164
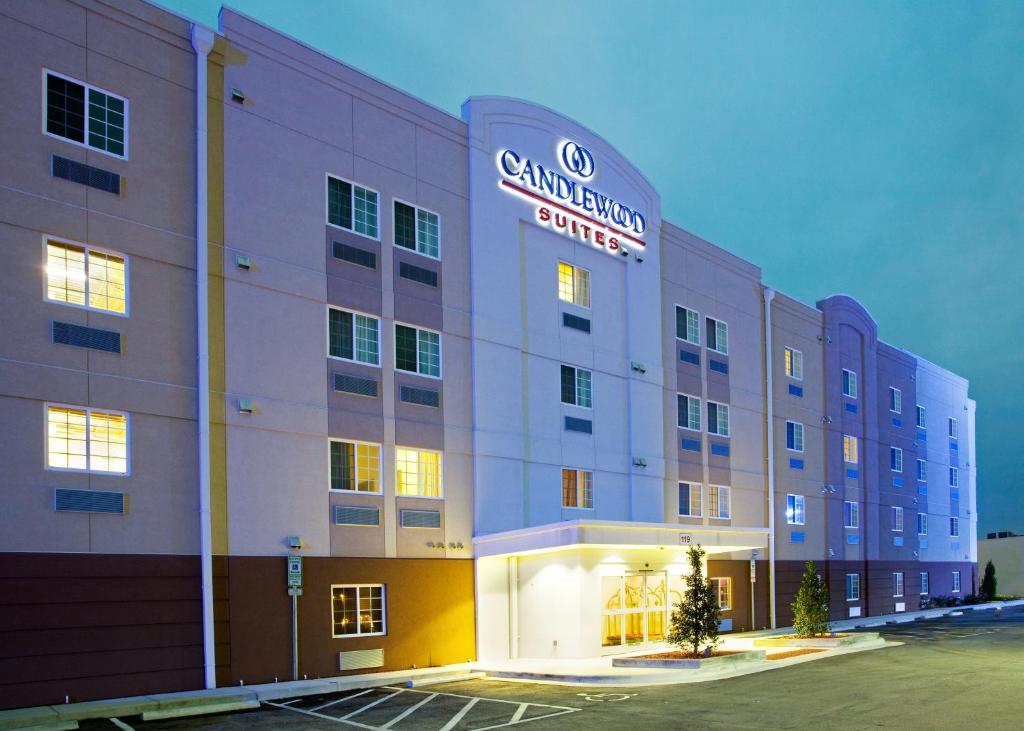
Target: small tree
x,y
810,607
988,583
694,621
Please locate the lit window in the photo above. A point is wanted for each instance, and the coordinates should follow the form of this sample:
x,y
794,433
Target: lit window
x,y
418,230
718,419
924,582
418,351
85,277
895,400
577,488
87,440
795,509
688,412
573,284
103,127
577,386
851,514
355,466
419,472
922,524
922,470
954,428
352,336
352,207
722,589
794,436
794,364
954,477
688,325
689,500
852,587
954,527
849,449
718,335
897,518
956,582
897,583
358,610
895,459
922,418
849,383
718,502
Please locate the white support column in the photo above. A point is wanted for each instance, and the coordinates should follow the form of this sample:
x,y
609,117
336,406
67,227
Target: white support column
x,y
769,295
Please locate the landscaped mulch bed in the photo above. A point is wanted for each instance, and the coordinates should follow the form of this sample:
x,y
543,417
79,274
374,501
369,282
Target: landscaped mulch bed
x,y
676,655
794,653
830,636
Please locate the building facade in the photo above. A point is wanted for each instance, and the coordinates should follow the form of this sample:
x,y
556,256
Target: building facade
x,y
266,307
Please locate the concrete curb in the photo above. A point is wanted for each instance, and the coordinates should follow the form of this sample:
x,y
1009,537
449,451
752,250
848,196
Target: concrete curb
x,y
690,664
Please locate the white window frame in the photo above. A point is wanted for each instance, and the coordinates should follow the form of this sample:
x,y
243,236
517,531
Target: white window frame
x,y
380,466
896,455
417,209
440,473
383,610
852,589
327,206
727,581
718,419
793,356
797,427
897,584
956,582
88,440
691,487
853,512
925,582
380,337
88,248
575,268
795,509
897,519
579,489
922,470
921,416
856,448
687,340
895,400
717,322
852,380
922,524
418,329
85,144
953,428
954,526
700,412
714,506
954,477
576,386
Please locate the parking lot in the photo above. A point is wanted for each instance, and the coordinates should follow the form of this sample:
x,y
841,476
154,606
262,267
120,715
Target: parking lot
x,y
949,673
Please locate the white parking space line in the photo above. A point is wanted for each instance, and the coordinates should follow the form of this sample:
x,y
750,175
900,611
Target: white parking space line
x,y
460,715
121,724
408,711
368,706
324,716
519,712
335,702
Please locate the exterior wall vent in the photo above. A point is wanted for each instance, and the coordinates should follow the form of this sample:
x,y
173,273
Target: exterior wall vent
x,y
88,501
420,396
360,659
575,322
354,255
76,172
420,518
417,274
355,384
356,515
86,337
584,426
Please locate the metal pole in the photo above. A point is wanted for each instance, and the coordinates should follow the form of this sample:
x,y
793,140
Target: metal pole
x,y
295,635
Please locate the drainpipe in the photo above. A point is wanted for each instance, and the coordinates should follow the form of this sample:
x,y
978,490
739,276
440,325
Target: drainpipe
x,y
769,295
202,42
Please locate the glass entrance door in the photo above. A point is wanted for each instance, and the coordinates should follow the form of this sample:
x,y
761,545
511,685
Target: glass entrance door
x,y
634,609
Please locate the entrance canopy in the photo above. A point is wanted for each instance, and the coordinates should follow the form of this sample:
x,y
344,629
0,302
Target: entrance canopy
x,y
575,534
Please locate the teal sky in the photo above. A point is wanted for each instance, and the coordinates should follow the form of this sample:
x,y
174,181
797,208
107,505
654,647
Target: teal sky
x,y
871,148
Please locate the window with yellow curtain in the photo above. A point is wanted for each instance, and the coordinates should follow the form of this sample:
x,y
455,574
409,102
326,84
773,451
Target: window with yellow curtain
x,y
87,439
85,277
418,472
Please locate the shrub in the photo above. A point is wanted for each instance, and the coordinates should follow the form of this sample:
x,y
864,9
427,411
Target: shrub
x,y
988,583
810,606
694,621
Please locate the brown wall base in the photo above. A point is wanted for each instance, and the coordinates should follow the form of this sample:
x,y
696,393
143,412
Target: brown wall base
x,y
739,612
91,626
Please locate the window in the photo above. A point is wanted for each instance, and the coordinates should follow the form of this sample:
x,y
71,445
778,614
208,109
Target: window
x,y
954,477
358,610
351,336
86,440
573,284
954,527
921,417
355,466
897,583
895,400
897,518
795,509
718,502
688,412
576,387
851,514
718,335
954,428
688,325
86,277
922,524
924,582
849,383
956,582
66,114
852,587
794,436
577,488
418,230
419,472
417,350
718,419
849,449
895,459
722,588
689,500
922,470
794,364
352,207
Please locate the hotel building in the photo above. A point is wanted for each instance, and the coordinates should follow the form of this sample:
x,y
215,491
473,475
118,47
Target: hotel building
x,y
260,305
